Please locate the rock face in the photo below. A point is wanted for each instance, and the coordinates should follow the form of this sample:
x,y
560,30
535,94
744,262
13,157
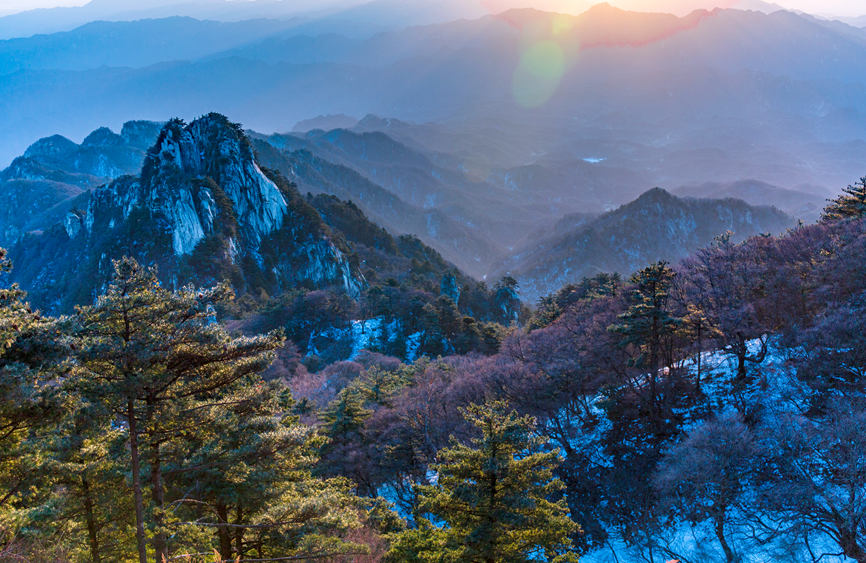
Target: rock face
x,y
202,210
209,148
656,226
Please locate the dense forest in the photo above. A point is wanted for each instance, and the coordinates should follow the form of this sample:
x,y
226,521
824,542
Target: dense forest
x,y
722,398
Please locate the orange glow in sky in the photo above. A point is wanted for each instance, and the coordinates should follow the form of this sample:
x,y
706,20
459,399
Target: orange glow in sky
x,y
847,8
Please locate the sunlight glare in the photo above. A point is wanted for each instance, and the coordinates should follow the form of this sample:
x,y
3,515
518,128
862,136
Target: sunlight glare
x,y
538,73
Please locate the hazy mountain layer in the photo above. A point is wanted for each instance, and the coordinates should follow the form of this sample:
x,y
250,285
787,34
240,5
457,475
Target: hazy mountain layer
x,y
731,94
40,186
656,226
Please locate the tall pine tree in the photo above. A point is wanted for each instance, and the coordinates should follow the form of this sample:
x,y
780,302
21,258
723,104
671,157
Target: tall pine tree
x,y
159,361
494,501
648,325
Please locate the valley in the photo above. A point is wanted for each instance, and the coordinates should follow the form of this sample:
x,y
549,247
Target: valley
x,y
390,281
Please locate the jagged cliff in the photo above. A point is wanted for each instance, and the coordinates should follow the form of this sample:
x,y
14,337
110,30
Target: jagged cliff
x,y
202,210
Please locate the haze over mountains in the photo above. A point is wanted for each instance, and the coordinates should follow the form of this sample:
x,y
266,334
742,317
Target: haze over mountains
x,y
475,134
456,280
574,79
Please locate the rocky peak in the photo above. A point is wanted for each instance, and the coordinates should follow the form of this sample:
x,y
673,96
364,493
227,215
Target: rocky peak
x,y
55,146
103,137
210,147
202,210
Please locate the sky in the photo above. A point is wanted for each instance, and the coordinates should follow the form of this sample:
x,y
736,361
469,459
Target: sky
x,y
824,7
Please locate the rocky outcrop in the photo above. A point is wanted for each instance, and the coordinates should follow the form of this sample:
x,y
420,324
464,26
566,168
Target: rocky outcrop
x,y
202,210
214,148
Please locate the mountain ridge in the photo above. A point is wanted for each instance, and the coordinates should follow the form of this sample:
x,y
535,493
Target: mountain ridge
x,y
202,210
655,226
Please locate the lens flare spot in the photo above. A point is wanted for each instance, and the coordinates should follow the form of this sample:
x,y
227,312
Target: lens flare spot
x,y
561,24
538,73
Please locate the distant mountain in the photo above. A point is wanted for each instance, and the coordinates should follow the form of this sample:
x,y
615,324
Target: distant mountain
x,y
202,210
325,123
800,204
713,96
465,246
656,226
856,22
118,44
40,186
312,17
588,183
425,180
52,20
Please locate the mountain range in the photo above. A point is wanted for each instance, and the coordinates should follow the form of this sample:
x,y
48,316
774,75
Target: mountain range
x,y
733,95
209,202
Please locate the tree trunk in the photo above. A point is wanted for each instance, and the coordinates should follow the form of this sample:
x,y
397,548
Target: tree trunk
x,y
92,536
157,493
700,356
224,533
491,506
136,482
239,533
741,357
720,534
850,547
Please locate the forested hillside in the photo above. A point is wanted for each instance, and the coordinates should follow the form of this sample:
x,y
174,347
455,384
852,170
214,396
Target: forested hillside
x,y
432,281
655,226
704,410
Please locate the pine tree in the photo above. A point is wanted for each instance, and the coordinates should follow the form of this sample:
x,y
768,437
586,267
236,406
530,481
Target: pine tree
x,y
29,403
159,360
850,205
248,477
84,469
648,324
494,499
346,451
642,408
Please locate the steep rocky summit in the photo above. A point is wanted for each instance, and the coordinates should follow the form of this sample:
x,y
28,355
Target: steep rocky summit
x,y
202,210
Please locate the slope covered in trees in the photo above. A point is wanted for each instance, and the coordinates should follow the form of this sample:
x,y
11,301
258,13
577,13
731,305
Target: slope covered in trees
x,y
720,399
714,399
399,409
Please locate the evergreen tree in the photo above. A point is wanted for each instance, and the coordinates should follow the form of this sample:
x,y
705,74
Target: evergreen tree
x,y
248,478
29,404
160,362
494,498
347,451
84,457
648,324
850,205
